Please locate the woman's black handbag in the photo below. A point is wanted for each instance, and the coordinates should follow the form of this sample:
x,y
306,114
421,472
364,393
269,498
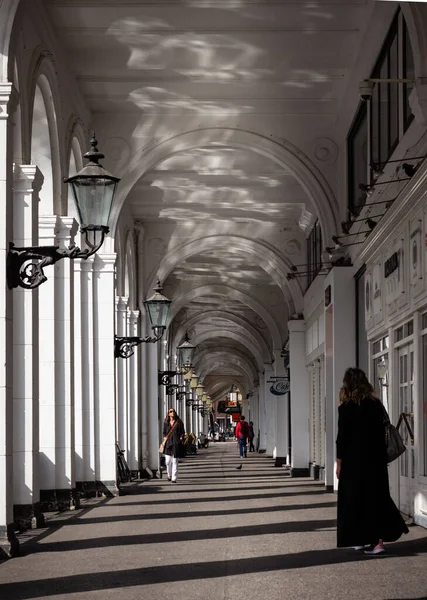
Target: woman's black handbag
x,y
393,439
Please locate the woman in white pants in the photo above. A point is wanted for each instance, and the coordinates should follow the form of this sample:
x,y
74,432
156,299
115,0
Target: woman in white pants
x,y
173,433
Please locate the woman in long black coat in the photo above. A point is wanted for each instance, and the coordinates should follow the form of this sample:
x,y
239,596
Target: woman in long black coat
x,y
366,513
173,433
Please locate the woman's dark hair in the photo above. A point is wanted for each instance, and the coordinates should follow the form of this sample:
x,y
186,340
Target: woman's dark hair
x,y
167,420
355,386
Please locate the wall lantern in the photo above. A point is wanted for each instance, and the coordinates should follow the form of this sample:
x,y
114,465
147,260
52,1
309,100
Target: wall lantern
x,y
185,354
93,191
382,371
158,309
194,381
200,390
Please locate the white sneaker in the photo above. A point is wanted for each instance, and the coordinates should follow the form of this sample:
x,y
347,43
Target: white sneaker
x,y
378,549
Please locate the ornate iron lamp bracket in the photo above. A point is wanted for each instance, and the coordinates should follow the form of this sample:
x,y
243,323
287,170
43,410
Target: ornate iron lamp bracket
x,y
24,266
123,346
165,377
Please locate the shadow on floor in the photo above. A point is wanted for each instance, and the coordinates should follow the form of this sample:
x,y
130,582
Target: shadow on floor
x,y
88,582
201,513
179,536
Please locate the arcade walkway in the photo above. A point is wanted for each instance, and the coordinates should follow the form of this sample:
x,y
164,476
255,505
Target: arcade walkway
x,y
220,534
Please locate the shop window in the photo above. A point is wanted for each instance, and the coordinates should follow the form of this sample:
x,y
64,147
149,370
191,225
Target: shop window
x,y
314,253
390,112
404,331
380,376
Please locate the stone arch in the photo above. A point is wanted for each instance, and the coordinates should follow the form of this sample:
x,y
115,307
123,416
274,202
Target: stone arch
x,y
245,340
44,88
415,16
8,9
75,163
232,356
130,271
264,256
236,319
235,294
220,386
284,154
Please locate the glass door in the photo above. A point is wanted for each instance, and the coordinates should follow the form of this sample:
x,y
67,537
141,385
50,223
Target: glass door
x,y
405,357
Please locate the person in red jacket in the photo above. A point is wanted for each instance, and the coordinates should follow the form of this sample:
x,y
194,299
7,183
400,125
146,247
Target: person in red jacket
x,y
242,432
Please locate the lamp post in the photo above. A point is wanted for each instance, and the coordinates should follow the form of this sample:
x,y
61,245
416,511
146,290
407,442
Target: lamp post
x,y
382,371
93,189
185,354
157,307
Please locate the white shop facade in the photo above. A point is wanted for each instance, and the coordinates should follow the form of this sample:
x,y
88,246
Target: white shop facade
x,y
395,298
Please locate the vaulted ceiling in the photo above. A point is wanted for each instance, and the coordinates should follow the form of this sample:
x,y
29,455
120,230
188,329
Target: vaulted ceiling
x,y
153,70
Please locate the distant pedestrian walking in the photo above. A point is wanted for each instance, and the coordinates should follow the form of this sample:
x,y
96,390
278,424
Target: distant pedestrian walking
x,y
367,514
242,432
251,437
173,434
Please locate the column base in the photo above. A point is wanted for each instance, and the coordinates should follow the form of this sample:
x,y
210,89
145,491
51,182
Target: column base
x,y
322,474
262,451
109,489
314,471
28,516
59,500
279,461
97,489
300,472
329,488
9,544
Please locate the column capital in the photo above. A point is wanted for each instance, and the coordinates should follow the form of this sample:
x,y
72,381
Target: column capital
x,y
47,228
134,317
122,303
66,228
296,326
85,265
9,99
105,263
27,177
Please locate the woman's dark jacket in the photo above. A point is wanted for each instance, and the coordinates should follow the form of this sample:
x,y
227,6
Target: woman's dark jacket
x,y
172,447
366,512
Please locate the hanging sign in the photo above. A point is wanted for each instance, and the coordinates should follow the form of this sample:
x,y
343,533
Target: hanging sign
x,y
280,387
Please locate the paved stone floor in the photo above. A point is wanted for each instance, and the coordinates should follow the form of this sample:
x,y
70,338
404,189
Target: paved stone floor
x,y
220,533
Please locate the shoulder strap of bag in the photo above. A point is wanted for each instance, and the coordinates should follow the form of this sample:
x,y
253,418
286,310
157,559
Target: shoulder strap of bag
x,y
386,418
170,431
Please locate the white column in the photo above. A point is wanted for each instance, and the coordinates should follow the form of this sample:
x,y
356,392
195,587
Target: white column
x,y
47,352
77,373
340,353
143,369
121,378
9,545
153,418
105,426
262,412
88,481
299,400
64,390
26,487
270,411
255,413
134,416
282,416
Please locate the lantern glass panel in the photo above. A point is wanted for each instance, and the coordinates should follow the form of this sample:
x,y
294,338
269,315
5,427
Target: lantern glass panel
x,y
93,197
158,311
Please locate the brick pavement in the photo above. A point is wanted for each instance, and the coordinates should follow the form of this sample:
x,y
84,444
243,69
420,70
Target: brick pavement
x,y
219,534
